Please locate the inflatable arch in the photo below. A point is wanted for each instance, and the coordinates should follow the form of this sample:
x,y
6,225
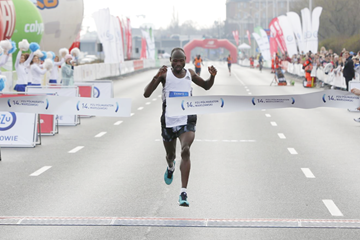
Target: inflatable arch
x,y
211,44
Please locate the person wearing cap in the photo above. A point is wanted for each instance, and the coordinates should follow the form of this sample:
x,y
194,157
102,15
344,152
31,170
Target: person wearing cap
x,y
67,71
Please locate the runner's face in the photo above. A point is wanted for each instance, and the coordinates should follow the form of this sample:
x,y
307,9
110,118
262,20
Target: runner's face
x,y
178,61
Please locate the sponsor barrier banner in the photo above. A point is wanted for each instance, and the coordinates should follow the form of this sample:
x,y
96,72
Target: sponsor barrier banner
x,y
179,106
45,104
18,129
71,91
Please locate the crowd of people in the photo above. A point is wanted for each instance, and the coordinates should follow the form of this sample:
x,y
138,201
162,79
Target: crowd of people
x,y
31,67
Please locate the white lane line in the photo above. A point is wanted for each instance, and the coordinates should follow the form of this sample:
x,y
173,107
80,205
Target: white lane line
x,y
100,134
307,172
132,114
159,96
40,171
333,209
140,108
263,110
281,136
248,90
118,123
246,87
249,93
267,115
154,99
76,149
292,151
148,103
274,124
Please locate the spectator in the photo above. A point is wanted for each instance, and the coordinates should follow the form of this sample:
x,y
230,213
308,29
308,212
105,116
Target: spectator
x,y
348,70
67,71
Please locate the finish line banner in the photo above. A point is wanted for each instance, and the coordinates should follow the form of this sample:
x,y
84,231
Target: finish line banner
x,y
178,106
46,104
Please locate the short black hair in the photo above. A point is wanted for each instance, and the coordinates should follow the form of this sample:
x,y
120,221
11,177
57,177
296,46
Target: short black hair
x,y
177,49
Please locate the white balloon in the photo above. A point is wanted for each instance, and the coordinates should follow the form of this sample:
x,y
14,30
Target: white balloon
x,y
62,24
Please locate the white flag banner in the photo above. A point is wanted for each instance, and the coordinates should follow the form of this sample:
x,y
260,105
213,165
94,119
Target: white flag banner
x,y
266,45
313,41
118,39
179,106
46,104
150,44
295,23
307,28
258,40
105,30
288,35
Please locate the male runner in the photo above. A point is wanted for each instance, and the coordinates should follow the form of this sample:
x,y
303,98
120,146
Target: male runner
x,y
176,81
229,63
197,62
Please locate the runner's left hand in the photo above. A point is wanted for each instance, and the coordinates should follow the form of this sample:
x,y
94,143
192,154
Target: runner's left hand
x,y
212,71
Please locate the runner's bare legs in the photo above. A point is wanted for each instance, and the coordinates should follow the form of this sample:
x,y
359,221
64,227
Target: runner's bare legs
x,y
170,148
186,139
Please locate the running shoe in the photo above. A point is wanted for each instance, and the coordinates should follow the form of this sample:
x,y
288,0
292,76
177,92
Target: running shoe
x,y
183,200
169,175
357,120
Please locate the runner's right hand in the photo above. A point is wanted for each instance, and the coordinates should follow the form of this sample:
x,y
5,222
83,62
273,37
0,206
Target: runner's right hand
x,y
161,71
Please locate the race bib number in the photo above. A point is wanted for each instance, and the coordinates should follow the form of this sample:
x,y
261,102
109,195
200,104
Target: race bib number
x,y
178,94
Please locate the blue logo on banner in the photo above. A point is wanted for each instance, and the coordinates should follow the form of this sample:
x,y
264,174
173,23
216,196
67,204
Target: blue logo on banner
x,y
96,92
7,121
178,94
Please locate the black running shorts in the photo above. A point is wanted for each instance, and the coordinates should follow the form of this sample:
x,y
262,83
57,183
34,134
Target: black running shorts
x,y
169,134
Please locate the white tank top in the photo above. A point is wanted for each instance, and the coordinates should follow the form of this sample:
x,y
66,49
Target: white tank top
x,y
176,87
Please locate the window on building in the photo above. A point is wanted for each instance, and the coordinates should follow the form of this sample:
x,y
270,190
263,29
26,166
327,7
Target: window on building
x,y
244,4
257,15
239,5
257,5
264,5
282,5
239,15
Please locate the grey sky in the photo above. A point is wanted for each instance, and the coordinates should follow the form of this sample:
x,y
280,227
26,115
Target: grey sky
x,y
158,12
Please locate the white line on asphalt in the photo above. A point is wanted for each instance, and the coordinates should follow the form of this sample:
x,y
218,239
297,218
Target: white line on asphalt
x,y
76,149
148,103
273,124
132,114
118,123
333,209
154,99
159,96
100,134
248,90
249,93
292,151
281,136
140,108
308,173
267,115
263,110
40,171
246,87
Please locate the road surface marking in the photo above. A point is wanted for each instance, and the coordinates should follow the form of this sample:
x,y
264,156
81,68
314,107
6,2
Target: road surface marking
x,y
308,173
273,124
281,136
140,108
292,151
100,134
333,209
267,115
76,149
118,123
148,103
40,171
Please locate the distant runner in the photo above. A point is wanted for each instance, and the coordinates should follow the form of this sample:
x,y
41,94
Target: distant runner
x,y
198,62
176,81
229,64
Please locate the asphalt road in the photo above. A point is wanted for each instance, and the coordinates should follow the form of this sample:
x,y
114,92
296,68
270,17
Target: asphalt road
x,y
273,164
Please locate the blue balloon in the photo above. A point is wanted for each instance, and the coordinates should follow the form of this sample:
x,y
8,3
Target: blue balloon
x,y
43,57
2,84
34,46
13,49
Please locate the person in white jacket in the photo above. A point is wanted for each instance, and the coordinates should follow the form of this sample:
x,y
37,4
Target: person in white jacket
x,y
54,73
22,64
37,72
